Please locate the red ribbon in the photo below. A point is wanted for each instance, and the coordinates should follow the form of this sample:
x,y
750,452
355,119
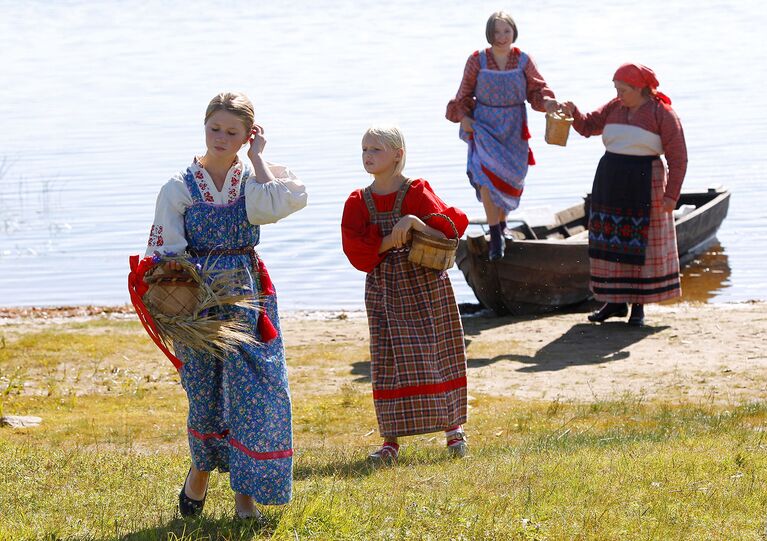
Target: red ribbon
x,y
525,136
263,277
136,288
266,328
525,132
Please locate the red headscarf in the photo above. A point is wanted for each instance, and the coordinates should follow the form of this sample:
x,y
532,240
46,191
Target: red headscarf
x,y
640,76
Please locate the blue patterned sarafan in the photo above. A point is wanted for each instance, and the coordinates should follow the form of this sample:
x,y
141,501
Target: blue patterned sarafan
x,y
498,148
239,408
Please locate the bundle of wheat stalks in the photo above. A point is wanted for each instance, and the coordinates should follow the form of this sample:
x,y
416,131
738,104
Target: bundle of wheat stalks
x,y
193,306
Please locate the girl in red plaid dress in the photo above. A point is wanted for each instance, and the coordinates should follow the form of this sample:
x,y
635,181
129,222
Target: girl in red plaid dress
x,y
418,359
632,239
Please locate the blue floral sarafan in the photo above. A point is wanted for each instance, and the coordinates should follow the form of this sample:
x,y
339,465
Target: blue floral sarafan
x,y
498,152
239,407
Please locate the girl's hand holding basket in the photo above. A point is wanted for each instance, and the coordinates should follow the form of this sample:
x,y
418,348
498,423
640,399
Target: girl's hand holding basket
x,y
401,233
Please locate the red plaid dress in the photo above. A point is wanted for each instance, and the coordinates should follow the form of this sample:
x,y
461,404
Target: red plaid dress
x,y
418,360
653,129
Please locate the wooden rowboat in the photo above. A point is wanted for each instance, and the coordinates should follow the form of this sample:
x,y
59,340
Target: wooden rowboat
x,y
545,268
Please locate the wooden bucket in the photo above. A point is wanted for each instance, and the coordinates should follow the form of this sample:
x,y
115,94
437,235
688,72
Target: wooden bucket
x,y
558,127
438,254
172,293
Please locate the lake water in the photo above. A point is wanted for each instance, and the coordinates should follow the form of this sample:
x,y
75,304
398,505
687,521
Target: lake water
x,y
100,102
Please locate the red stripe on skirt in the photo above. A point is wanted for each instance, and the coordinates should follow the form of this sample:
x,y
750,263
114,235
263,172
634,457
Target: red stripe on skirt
x,y
260,456
209,436
500,184
434,388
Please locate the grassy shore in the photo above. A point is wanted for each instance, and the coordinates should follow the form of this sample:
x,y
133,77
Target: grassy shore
x,y
110,455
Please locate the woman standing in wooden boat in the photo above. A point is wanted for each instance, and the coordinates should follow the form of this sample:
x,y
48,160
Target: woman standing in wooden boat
x,y
632,240
490,106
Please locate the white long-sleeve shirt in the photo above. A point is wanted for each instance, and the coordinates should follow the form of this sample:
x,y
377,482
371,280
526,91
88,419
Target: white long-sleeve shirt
x,y
265,203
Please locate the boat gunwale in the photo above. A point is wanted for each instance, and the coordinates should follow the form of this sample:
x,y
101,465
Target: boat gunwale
x,y
719,195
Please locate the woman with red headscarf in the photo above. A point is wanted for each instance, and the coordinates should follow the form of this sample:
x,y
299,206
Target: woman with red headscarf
x,y
632,240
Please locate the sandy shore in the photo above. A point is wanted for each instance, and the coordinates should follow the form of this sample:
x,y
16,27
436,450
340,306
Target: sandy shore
x,y
685,353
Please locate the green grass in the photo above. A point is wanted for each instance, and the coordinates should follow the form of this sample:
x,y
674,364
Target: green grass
x,y
108,460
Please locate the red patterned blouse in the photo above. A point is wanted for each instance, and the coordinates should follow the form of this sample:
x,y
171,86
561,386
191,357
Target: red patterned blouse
x,y
653,129
463,102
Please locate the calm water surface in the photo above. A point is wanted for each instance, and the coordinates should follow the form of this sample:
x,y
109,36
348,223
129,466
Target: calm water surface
x,y
100,103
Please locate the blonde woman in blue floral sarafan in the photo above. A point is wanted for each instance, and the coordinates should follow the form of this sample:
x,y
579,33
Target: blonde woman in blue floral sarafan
x,y
239,406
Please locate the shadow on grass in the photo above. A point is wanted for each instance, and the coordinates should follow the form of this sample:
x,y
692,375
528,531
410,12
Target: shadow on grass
x,y
204,527
411,455
344,469
361,369
582,344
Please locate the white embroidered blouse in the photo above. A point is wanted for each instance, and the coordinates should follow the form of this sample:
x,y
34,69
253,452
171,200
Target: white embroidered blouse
x,y
265,203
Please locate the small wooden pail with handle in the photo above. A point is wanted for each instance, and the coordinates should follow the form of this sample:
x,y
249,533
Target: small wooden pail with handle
x,y
558,127
171,293
434,253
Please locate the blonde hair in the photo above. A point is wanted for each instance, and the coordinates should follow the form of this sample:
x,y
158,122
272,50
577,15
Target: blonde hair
x,y
392,138
490,27
236,103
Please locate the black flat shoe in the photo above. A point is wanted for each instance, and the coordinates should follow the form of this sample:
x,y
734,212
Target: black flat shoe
x,y
186,505
610,309
637,316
